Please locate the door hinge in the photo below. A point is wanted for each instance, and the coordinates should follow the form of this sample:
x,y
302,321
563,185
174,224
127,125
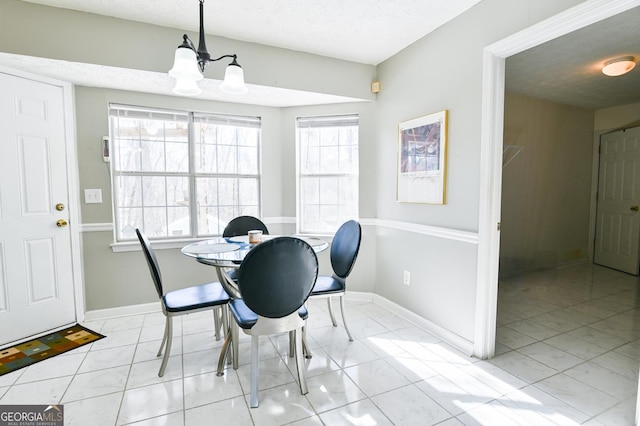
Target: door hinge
x,y
498,226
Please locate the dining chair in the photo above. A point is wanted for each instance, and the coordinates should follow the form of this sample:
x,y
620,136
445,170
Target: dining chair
x,y
275,280
241,225
343,254
182,301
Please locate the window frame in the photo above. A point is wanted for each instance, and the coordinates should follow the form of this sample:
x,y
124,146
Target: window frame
x,y
192,175
325,121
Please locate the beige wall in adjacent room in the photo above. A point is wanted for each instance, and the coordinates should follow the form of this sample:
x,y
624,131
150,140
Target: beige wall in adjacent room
x,y
546,188
617,118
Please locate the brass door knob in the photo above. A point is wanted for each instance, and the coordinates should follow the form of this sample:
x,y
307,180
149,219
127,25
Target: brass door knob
x,y
59,207
634,208
61,223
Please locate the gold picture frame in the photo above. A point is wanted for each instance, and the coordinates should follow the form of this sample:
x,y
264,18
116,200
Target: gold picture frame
x,y
422,155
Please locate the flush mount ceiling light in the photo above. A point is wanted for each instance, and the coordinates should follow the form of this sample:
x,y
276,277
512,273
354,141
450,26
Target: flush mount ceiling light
x,y
619,66
189,64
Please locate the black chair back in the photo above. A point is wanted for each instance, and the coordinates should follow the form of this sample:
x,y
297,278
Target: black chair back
x,y
277,276
152,262
241,225
345,248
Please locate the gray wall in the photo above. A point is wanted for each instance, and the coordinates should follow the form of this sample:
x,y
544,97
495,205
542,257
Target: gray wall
x,y
546,189
117,279
441,71
108,285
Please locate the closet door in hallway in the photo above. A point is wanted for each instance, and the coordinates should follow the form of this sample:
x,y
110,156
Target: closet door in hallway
x,y
618,215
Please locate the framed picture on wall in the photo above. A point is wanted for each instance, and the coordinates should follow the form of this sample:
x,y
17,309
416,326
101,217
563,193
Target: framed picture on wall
x,y
422,165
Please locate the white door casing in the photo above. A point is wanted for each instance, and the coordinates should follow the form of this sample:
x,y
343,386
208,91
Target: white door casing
x,y
618,217
37,280
585,13
490,185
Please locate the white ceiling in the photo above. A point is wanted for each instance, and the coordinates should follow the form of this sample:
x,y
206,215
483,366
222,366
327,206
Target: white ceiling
x,y
367,31
364,31
568,69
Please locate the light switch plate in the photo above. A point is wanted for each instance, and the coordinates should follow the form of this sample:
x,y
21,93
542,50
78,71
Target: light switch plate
x,y
92,196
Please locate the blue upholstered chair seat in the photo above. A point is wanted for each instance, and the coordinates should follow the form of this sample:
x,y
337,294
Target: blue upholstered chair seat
x,y
182,301
326,284
246,318
196,297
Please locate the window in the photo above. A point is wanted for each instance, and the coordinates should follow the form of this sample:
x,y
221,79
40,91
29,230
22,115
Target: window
x,y
180,174
327,172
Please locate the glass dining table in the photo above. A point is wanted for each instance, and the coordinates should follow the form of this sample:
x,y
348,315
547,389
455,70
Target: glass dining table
x,y
226,255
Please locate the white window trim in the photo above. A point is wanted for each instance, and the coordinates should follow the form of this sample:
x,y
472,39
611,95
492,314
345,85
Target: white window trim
x,y
192,118
322,121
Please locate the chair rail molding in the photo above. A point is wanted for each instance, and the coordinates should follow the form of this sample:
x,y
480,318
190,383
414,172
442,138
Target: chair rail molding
x,y
434,231
96,227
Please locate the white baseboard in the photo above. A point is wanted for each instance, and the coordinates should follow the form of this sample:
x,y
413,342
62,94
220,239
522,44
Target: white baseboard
x,y
122,311
360,296
453,339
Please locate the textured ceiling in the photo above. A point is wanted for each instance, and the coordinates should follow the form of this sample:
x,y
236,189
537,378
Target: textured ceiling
x,y
366,31
568,69
565,70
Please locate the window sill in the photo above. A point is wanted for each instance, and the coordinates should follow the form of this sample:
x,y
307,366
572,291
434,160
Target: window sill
x,y
157,244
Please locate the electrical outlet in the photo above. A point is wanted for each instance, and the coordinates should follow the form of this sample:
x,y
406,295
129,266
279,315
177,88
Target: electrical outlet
x,y
407,278
92,196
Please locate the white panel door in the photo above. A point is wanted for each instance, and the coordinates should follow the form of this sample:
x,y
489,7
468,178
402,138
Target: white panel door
x,y
618,216
36,278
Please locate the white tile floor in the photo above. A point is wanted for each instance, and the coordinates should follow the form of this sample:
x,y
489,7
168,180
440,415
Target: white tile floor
x,y
568,353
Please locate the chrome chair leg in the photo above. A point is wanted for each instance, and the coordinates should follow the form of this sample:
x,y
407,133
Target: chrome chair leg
x,y
300,362
167,349
216,322
292,344
164,337
255,374
330,306
344,320
226,323
306,350
224,314
234,344
225,351
224,354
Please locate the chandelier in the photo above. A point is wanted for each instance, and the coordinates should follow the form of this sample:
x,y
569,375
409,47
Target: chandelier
x,y
189,64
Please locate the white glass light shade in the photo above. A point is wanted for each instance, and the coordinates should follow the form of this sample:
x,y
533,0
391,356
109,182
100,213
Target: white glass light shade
x,y
185,65
234,81
619,66
186,88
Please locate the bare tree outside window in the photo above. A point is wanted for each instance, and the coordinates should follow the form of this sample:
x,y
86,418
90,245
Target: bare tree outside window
x,y
180,174
327,172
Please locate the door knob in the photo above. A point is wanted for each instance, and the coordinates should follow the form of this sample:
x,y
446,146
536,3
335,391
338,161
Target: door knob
x,y
59,207
61,223
634,208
